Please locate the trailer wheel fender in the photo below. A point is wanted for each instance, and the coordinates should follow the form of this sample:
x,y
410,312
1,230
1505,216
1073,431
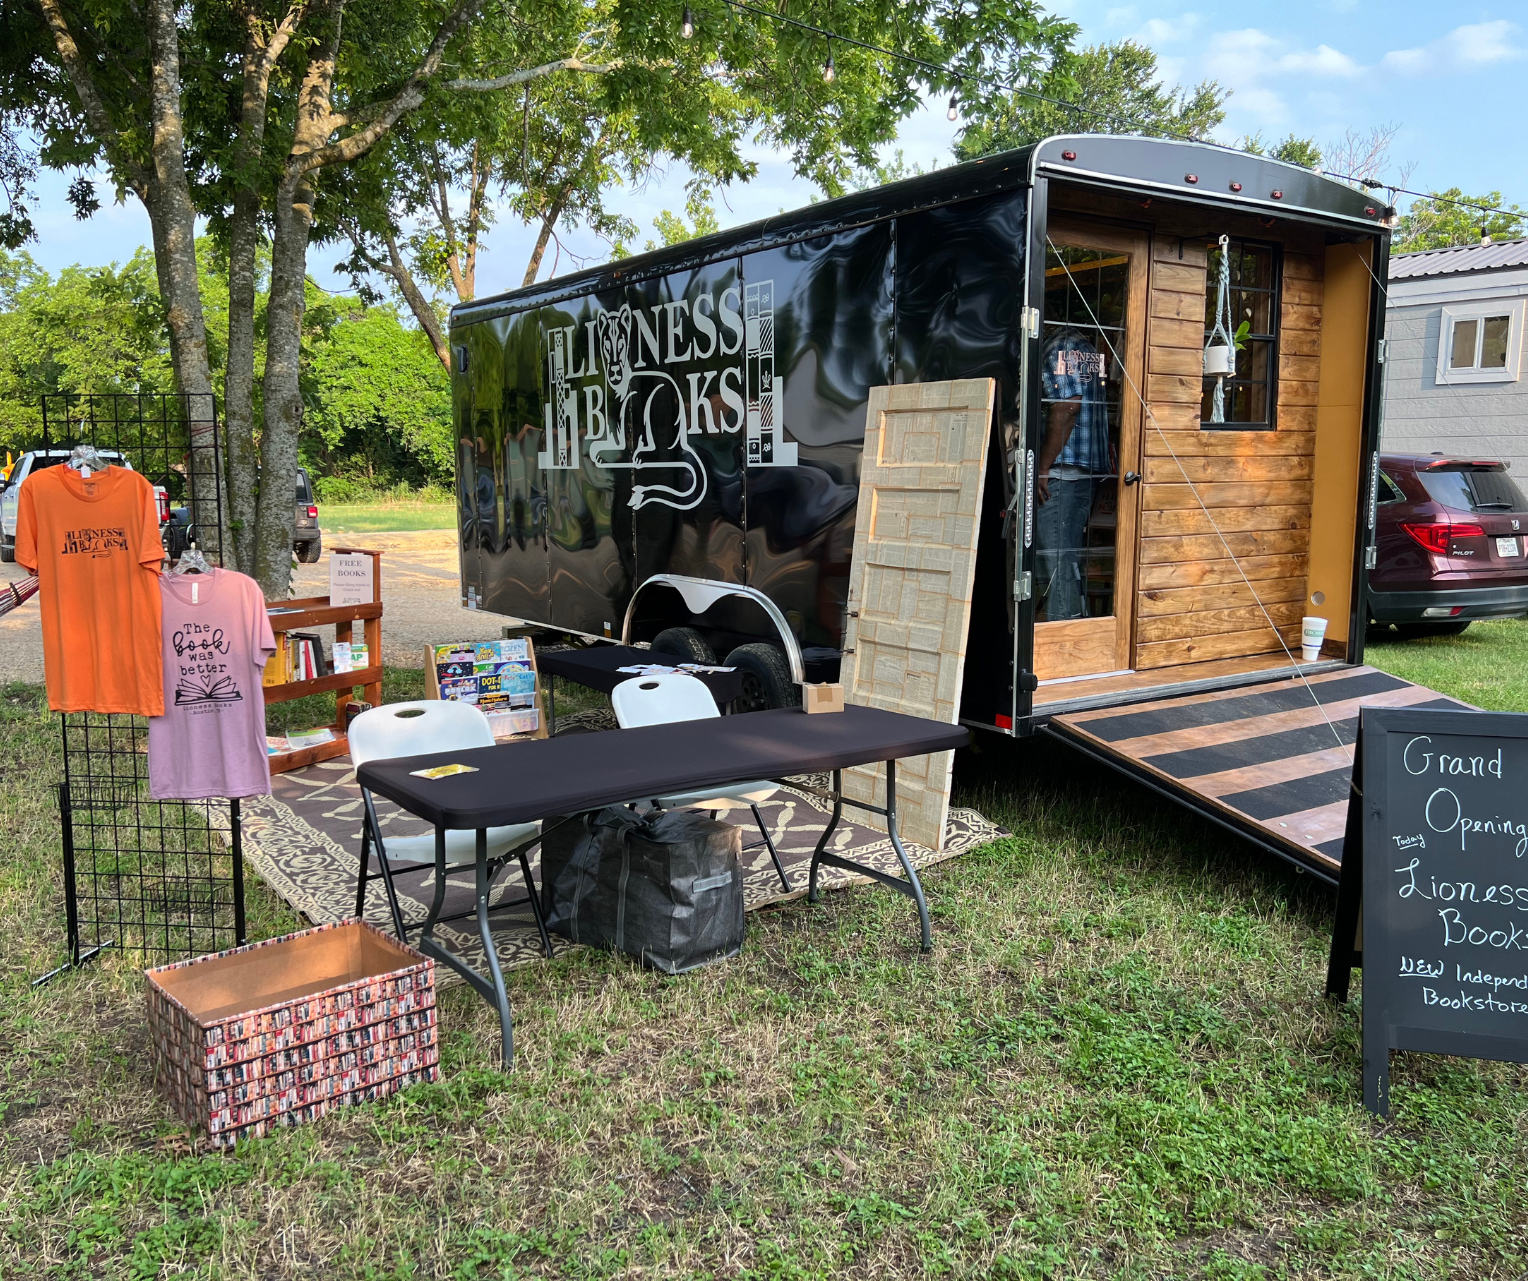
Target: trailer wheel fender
x,y
683,643
766,678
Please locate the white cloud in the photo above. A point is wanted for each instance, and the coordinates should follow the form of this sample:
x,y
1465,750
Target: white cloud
x,y
1323,61
1464,48
1484,42
1160,31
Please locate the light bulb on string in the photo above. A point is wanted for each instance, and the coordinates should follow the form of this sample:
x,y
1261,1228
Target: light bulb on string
x,y
954,110
687,23
829,71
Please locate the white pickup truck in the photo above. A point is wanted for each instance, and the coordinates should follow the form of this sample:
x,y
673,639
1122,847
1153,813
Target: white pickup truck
x,y
35,460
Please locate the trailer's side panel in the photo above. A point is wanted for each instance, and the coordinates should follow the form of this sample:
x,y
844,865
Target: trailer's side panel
x,y
1222,508
512,542
824,326
960,285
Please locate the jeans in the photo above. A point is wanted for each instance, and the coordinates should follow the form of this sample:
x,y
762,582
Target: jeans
x,y
1061,528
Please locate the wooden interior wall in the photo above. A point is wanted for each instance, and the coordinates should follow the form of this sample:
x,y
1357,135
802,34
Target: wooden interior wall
x,y
1192,602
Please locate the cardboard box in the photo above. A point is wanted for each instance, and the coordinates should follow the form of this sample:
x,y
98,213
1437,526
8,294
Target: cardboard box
x,y
823,698
281,1032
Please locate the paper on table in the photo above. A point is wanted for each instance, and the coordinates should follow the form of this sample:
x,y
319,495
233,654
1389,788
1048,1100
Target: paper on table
x,y
443,771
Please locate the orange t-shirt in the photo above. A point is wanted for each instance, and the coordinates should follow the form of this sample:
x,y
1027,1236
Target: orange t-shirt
x,y
94,546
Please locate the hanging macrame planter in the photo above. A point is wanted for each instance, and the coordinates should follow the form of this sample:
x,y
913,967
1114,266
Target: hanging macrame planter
x,y
1220,347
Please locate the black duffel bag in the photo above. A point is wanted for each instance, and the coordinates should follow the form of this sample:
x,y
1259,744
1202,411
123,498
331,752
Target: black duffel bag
x,y
664,887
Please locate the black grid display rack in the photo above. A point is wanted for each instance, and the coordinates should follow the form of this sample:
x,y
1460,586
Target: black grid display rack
x,y
158,879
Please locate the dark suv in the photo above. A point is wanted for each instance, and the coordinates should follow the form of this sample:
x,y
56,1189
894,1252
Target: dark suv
x,y
1452,544
307,538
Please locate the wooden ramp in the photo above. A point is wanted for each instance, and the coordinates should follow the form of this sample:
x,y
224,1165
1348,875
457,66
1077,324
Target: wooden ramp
x,y
1267,761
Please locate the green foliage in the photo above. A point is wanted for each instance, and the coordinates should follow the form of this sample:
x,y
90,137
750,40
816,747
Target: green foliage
x,y
377,402
375,396
671,227
1437,222
1111,88
93,329
1293,150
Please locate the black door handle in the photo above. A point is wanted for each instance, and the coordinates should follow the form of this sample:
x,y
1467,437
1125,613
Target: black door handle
x,y
1131,477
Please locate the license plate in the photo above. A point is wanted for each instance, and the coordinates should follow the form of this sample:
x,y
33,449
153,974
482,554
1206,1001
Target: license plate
x,y
1506,547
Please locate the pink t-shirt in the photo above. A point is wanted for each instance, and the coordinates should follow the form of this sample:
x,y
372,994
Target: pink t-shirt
x,y
211,739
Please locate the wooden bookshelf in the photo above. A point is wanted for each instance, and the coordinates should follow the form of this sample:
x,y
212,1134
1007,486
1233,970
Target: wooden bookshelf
x,y
316,611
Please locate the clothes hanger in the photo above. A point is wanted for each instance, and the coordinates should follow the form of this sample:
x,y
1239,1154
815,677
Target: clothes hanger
x,y
85,460
192,561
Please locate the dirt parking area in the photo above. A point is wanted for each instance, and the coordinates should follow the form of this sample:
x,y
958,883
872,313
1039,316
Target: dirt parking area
x,y
420,597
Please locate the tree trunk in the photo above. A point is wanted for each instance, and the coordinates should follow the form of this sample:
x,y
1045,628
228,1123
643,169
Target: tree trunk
x,y
239,380
418,303
547,223
282,418
177,241
259,57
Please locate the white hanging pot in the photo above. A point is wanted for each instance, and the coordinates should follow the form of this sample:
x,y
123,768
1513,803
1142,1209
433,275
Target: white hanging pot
x,y
1217,361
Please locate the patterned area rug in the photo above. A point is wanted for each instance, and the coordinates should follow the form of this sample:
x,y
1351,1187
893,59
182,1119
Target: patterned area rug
x,y
305,841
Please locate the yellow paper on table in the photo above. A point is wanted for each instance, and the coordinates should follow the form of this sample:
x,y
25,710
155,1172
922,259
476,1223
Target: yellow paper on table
x,y
442,771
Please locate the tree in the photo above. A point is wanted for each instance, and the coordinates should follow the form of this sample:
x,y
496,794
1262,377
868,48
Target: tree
x,y
672,230
1294,151
93,329
1108,88
101,83
1448,218
326,84
374,392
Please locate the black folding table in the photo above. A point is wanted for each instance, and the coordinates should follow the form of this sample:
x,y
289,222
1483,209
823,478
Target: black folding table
x,y
546,778
597,667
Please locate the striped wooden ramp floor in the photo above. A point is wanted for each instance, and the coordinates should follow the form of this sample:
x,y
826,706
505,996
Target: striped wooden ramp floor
x,y
1267,760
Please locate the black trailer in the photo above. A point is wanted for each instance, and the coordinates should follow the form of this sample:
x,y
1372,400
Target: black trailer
x,y
1148,529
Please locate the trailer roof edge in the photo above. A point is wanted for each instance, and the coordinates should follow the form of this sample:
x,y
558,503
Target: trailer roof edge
x,y
1202,172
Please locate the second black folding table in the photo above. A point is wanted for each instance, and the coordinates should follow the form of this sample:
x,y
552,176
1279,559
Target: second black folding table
x,y
598,667
547,778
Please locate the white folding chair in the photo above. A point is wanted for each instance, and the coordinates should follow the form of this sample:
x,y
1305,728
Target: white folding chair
x,y
677,696
414,729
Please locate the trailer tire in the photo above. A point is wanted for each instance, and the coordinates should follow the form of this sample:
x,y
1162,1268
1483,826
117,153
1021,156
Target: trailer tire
x,y
684,643
767,679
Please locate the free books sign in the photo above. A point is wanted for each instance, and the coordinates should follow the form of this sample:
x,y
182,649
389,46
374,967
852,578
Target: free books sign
x,y
351,578
634,389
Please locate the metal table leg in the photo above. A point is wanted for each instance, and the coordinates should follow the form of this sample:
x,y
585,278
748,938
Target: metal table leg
x,y
912,886
491,991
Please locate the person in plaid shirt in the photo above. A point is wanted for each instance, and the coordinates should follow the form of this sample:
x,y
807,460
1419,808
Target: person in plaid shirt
x,y
1073,459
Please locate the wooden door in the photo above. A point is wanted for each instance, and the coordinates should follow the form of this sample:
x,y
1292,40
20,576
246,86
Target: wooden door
x,y
1087,491
910,585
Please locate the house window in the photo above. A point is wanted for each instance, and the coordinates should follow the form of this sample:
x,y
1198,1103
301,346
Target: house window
x,y
1480,342
1251,390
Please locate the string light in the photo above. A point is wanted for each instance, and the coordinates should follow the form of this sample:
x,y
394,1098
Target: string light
x,y
954,110
829,71
687,23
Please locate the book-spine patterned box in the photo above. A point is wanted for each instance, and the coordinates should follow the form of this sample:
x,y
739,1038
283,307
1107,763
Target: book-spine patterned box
x,y
242,1075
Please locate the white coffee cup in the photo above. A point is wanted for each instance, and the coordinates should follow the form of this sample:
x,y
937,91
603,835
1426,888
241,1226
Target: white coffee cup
x,y
1312,633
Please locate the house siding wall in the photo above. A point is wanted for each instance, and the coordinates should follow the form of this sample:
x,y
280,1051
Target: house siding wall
x,y
1488,420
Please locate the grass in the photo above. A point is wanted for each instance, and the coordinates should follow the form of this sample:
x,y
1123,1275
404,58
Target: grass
x,y
380,518
1116,1063
1486,665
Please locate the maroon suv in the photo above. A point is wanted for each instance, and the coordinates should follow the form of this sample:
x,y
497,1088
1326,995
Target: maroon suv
x,y
1452,544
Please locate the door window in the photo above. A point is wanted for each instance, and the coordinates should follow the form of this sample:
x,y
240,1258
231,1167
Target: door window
x,y
1077,464
1248,396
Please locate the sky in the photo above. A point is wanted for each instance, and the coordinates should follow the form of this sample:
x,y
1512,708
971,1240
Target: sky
x,y
1447,77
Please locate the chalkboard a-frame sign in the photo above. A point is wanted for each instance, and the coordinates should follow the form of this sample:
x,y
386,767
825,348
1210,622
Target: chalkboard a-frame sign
x,y
1442,870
